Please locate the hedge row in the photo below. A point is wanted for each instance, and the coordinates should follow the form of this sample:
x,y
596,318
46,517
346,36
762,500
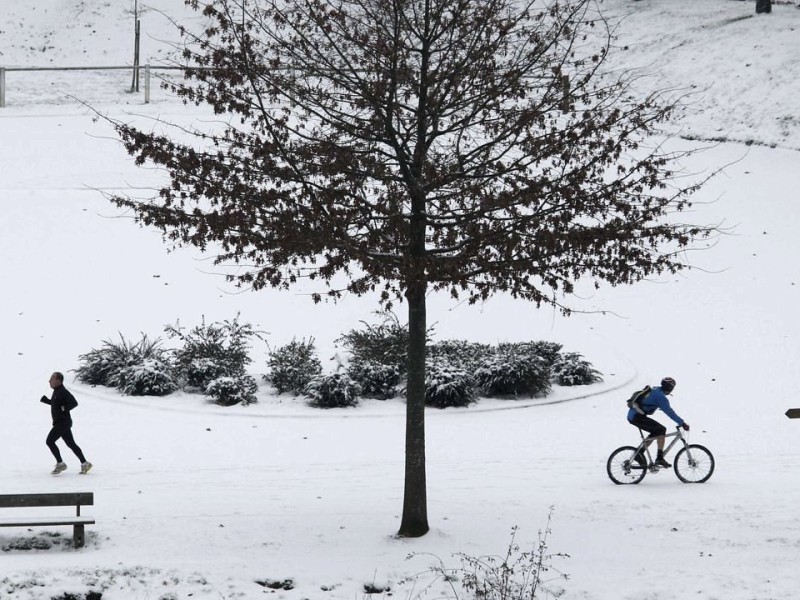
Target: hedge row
x,y
212,358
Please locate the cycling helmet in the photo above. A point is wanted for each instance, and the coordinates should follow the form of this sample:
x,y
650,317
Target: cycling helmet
x,y
667,385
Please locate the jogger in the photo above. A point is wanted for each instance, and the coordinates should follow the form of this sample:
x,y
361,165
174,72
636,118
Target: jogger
x,y
61,403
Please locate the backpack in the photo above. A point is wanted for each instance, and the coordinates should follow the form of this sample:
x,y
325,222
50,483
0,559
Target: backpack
x,y
635,400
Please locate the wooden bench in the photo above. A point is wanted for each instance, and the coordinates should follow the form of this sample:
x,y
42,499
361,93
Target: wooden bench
x,y
77,521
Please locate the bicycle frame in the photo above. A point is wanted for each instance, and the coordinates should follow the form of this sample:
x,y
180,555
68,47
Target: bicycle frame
x,y
645,443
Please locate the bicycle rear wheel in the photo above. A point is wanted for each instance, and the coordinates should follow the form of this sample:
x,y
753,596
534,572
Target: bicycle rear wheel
x,y
694,464
622,469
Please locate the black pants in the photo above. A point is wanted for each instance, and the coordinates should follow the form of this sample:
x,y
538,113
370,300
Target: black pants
x,y
64,432
651,426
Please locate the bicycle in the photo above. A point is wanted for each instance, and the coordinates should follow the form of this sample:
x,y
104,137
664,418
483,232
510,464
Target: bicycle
x,y
693,463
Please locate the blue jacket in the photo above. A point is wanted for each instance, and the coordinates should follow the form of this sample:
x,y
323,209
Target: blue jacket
x,y
652,402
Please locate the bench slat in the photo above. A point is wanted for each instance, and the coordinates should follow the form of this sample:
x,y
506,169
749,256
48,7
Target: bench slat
x,y
45,521
57,499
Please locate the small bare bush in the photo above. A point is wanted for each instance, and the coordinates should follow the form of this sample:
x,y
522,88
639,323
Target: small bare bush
x,y
516,575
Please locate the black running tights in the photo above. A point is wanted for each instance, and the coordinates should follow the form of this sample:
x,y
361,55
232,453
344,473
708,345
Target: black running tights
x,y
64,432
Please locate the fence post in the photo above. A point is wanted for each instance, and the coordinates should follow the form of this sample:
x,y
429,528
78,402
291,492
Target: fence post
x,y
2,87
147,83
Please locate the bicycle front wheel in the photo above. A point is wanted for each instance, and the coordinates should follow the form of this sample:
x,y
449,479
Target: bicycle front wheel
x,y
622,469
694,464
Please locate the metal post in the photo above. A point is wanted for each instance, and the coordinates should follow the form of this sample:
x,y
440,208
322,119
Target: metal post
x,y
565,93
136,58
136,31
147,83
2,87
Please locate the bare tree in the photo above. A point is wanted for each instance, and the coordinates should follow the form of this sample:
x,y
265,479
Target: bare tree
x,y
471,146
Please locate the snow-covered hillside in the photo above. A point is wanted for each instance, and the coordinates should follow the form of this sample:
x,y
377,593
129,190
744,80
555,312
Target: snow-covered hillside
x,y
708,50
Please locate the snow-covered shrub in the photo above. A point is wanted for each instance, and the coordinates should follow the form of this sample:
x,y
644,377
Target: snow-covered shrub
x,y
468,355
375,379
102,366
227,391
448,385
572,369
210,351
199,372
547,351
293,366
153,377
332,391
385,343
508,376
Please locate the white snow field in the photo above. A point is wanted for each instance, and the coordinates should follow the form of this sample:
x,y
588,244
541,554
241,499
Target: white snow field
x,y
196,501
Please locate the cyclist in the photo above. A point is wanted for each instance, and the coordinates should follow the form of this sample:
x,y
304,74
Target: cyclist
x,y
640,417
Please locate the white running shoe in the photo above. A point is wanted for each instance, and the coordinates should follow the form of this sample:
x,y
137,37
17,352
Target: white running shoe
x,y
58,468
85,466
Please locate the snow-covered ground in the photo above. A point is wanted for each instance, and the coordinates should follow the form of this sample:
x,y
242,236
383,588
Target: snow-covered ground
x,y
198,501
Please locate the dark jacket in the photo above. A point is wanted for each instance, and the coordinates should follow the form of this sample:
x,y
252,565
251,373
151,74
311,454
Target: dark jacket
x,y
61,402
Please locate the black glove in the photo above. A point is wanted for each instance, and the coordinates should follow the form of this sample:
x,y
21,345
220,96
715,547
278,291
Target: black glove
x,y
44,399
685,426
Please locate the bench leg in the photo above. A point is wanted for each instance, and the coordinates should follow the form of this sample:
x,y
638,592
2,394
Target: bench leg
x,y
78,535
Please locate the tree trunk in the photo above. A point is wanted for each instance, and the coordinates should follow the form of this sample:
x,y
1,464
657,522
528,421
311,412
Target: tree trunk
x,y
763,6
415,504
415,497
